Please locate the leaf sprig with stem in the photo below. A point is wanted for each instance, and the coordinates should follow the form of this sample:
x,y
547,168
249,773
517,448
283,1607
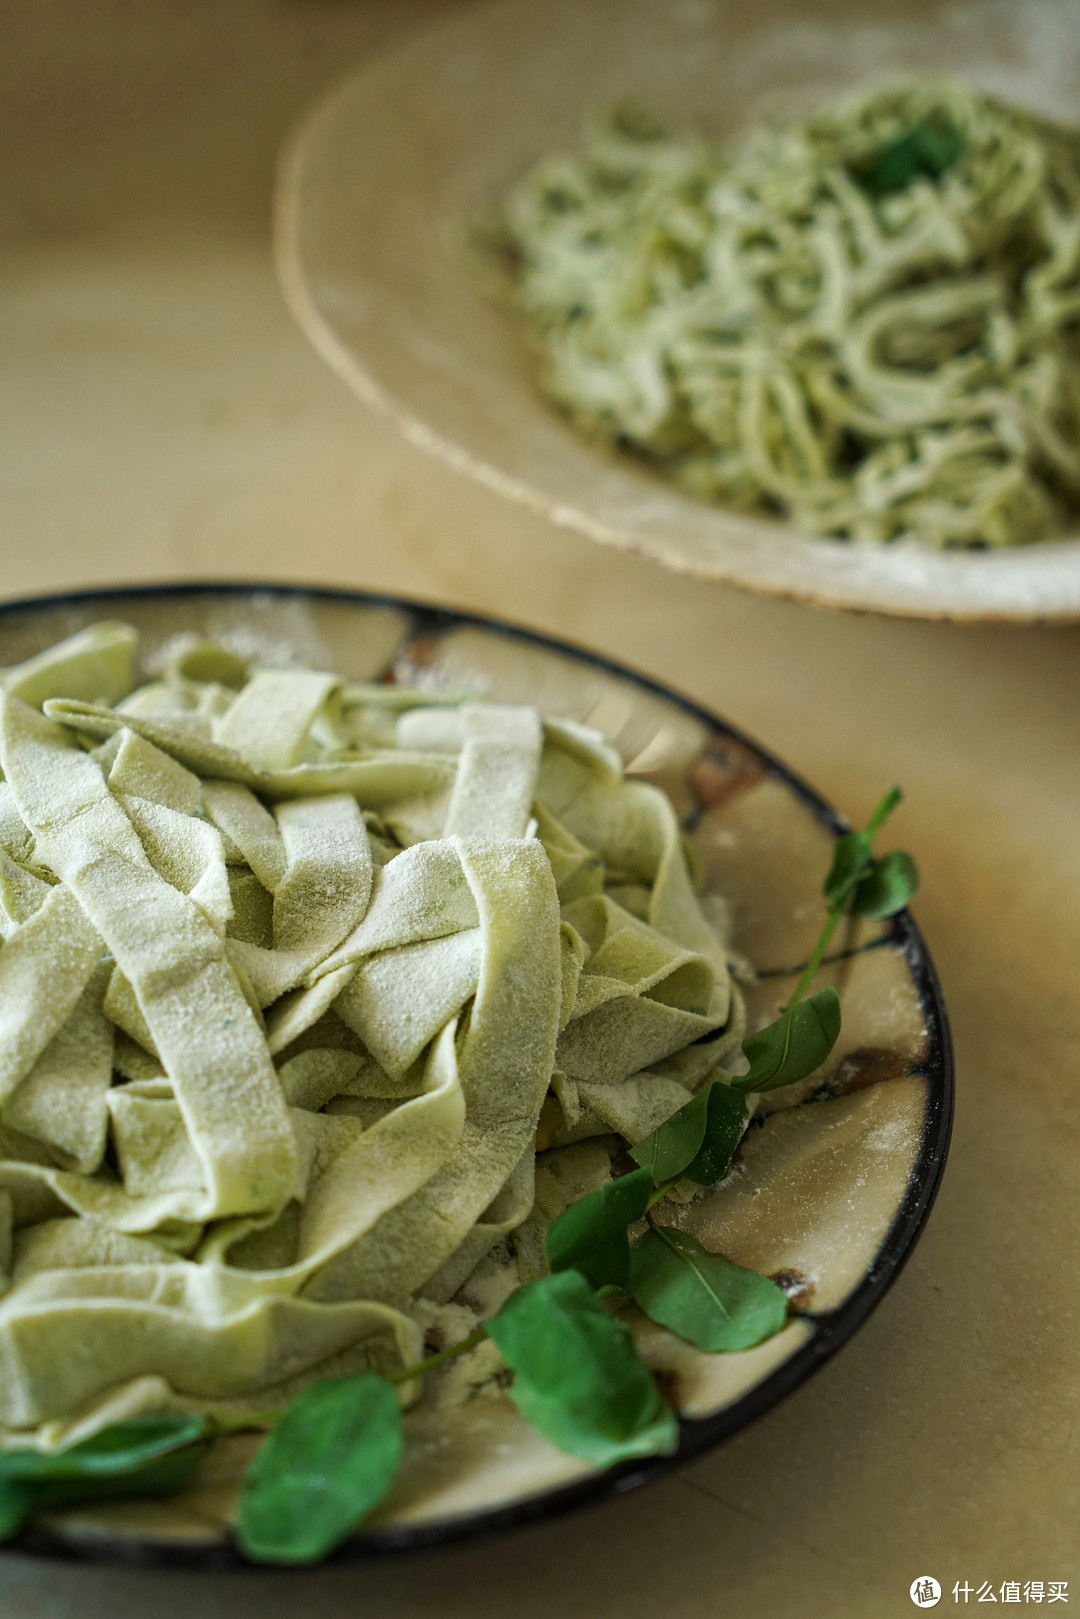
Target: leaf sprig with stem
x,y
333,1452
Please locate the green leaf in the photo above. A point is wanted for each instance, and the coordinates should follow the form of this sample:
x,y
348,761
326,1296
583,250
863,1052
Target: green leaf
x,y
888,886
329,1461
144,1456
923,152
852,859
120,1448
590,1236
793,1046
577,1376
17,1504
676,1142
565,1429
725,1123
705,1298
163,1476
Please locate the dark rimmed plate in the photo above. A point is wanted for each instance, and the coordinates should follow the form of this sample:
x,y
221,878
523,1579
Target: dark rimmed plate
x,y
837,1179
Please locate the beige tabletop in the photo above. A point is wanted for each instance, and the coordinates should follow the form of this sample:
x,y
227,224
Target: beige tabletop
x,y
160,417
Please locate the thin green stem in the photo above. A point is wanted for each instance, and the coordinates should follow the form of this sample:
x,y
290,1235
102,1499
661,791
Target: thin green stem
x,y
407,1373
254,1419
267,1419
870,830
816,958
659,1192
882,813
826,961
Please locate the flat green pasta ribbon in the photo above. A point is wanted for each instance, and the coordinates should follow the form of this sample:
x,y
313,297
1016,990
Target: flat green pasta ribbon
x,y
296,979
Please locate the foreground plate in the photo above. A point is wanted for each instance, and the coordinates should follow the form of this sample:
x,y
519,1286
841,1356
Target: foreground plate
x,y
836,1181
381,183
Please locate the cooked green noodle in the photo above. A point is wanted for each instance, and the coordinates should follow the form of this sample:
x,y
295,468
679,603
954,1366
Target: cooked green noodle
x,y
867,320
296,979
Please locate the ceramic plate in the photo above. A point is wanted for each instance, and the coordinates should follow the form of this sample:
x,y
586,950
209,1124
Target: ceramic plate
x,y
836,1179
380,186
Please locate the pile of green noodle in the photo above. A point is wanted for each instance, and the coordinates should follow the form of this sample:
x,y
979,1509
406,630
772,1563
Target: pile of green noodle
x,y
291,972
867,320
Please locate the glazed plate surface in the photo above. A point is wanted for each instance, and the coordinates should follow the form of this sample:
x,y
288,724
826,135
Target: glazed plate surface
x,y
835,1181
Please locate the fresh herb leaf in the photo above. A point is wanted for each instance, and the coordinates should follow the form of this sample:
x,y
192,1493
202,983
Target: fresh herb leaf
x,y
17,1503
120,1448
845,864
143,1456
577,1376
793,1046
676,1142
852,859
887,887
714,1304
163,1476
924,152
329,1461
564,1428
590,1236
725,1123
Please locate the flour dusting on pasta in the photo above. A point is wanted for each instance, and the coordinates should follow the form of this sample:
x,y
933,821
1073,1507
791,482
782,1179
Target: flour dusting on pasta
x,y
296,977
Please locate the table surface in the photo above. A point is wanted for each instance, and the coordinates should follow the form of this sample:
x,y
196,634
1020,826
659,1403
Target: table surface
x,y
161,418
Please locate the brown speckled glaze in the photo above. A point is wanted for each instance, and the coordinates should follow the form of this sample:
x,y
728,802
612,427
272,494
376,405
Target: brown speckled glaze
x,y
831,1185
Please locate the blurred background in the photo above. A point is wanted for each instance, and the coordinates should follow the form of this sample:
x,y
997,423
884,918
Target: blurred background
x,y
161,417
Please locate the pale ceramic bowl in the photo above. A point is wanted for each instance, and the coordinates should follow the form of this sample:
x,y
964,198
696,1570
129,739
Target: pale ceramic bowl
x,y
836,1181
383,181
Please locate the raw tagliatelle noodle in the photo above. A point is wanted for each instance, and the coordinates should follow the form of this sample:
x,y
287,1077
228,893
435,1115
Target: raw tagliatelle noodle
x,y
291,972
791,324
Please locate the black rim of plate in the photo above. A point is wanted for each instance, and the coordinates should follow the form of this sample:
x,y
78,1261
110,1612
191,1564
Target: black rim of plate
x,y
831,1329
